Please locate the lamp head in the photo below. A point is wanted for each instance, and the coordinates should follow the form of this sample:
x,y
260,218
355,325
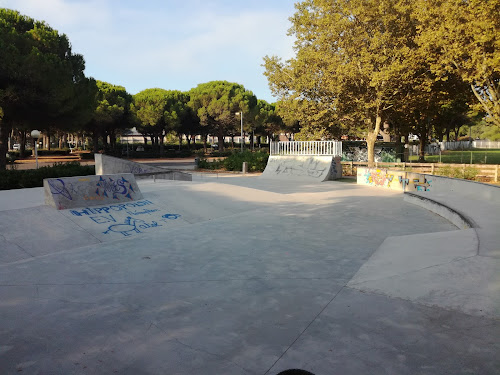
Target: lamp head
x,y
35,134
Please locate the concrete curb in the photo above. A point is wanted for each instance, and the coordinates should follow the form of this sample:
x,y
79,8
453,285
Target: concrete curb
x,y
456,218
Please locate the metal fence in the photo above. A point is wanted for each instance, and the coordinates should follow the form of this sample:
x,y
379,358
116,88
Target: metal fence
x,y
466,145
306,148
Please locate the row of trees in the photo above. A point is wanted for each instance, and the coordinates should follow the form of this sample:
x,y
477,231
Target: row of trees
x,y
418,66
43,86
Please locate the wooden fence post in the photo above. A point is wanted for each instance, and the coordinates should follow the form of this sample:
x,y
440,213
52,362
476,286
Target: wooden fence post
x,y
496,173
432,168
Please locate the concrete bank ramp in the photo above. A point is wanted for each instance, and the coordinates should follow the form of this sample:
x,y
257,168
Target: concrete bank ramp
x,y
303,168
105,164
82,191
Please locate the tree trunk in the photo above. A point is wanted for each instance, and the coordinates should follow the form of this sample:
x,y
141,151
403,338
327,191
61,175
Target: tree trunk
x,y
423,143
95,142
112,140
370,141
188,140
48,138
22,149
162,144
220,138
180,141
204,143
232,142
5,130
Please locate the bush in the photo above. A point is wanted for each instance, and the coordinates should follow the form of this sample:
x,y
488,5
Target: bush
x,y
20,179
257,161
469,173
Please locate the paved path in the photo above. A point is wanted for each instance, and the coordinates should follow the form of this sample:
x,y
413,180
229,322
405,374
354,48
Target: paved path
x,y
254,277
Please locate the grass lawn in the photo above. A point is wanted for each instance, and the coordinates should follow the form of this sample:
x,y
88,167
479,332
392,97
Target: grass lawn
x,y
479,156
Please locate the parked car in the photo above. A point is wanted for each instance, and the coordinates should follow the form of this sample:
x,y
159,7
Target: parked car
x,y
16,146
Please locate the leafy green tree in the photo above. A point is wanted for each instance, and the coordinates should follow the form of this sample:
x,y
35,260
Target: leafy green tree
x,y
111,114
462,37
267,120
216,103
42,83
149,108
356,59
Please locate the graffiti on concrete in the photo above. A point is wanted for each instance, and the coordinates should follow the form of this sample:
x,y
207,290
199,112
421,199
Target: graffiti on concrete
x,y
171,216
398,180
360,153
126,219
114,187
376,177
130,226
114,207
103,219
422,184
58,187
310,167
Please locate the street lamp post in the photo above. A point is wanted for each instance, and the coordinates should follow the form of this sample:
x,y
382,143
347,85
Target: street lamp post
x,y
241,117
35,134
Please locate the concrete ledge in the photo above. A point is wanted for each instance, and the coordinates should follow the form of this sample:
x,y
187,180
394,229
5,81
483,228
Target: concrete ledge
x,y
456,218
105,164
83,191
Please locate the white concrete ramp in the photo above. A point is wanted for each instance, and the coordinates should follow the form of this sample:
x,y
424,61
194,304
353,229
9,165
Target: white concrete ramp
x,y
82,191
303,167
105,164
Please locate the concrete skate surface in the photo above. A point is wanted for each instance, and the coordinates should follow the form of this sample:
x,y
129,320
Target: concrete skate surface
x,y
242,275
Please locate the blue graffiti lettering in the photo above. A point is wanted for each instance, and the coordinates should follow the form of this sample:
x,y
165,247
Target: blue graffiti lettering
x,y
103,219
58,187
171,216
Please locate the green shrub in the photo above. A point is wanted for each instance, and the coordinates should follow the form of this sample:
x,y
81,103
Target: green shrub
x,y
205,164
257,161
28,178
469,173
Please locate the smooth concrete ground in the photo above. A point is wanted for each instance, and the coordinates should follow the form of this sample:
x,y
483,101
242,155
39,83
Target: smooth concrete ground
x,y
254,277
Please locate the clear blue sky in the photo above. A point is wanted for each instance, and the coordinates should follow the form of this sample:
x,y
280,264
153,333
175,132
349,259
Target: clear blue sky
x,y
170,44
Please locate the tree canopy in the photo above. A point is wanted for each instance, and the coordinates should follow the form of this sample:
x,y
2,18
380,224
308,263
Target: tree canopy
x,y
463,37
42,82
355,60
216,103
112,112
361,63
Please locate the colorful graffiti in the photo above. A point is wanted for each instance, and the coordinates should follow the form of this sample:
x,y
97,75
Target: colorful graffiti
x,y
422,186
360,153
397,180
377,177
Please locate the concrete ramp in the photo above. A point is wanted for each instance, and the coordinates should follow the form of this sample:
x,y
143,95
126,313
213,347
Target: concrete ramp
x,y
105,164
305,168
82,191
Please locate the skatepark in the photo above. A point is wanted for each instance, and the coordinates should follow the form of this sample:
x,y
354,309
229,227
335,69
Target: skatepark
x,y
243,274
